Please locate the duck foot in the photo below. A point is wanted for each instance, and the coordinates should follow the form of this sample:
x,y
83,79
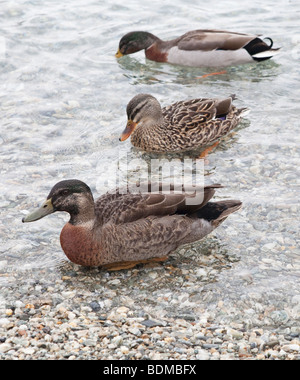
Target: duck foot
x,y
210,74
131,264
209,149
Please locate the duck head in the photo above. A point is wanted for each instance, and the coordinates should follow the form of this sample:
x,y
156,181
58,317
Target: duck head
x,y
133,42
72,196
143,109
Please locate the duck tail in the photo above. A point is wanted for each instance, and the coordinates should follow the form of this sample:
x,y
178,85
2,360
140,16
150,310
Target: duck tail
x,y
217,212
223,106
262,56
242,112
260,50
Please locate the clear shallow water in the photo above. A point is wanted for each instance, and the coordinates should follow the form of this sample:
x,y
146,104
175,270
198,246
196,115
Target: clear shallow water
x,y
63,97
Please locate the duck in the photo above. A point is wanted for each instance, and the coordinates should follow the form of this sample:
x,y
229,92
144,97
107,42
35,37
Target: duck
x,y
124,228
200,48
181,126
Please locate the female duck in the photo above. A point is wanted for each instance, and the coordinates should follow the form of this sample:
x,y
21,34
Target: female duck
x,y
184,125
198,48
123,229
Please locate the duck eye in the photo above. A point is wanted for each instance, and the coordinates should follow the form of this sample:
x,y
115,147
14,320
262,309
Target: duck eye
x,y
64,192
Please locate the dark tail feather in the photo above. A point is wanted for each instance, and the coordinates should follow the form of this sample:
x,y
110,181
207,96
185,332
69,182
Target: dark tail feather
x,y
217,212
271,41
205,194
224,106
259,50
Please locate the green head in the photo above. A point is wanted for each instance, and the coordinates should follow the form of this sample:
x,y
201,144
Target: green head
x,y
135,41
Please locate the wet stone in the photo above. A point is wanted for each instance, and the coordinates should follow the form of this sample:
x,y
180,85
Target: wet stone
x,y
95,306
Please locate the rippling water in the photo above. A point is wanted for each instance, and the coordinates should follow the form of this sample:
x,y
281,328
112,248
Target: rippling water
x,y
63,97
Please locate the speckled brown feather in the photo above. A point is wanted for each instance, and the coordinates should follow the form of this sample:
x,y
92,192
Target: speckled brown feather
x,y
188,125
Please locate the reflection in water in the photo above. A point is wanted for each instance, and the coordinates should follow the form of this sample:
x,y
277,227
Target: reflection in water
x,y
63,107
152,72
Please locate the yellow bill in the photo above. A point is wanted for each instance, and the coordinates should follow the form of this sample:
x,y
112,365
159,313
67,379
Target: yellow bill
x,y
118,54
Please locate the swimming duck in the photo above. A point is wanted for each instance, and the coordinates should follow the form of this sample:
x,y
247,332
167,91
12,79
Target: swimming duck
x,y
182,126
198,48
122,229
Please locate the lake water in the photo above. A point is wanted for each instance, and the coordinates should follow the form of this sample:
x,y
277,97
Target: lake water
x,y
63,98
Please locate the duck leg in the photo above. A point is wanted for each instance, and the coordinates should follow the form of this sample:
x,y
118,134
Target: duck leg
x,y
131,264
211,74
209,149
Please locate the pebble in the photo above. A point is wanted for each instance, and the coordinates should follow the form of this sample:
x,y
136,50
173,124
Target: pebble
x,y
3,263
235,333
95,306
73,331
72,104
291,347
4,322
4,347
124,350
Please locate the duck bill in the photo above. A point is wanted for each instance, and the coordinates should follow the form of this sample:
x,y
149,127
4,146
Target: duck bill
x,y
118,54
45,209
130,127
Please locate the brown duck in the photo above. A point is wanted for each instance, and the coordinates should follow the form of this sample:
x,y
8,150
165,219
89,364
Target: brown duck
x,y
120,230
182,126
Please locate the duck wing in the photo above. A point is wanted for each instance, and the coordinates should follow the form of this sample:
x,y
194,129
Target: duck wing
x,y
207,40
122,208
155,224
190,114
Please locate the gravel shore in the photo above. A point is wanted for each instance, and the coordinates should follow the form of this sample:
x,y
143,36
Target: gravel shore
x,y
141,313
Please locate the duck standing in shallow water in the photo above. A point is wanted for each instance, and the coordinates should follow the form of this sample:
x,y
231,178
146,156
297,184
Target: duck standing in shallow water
x,y
182,126
199,48
126,229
